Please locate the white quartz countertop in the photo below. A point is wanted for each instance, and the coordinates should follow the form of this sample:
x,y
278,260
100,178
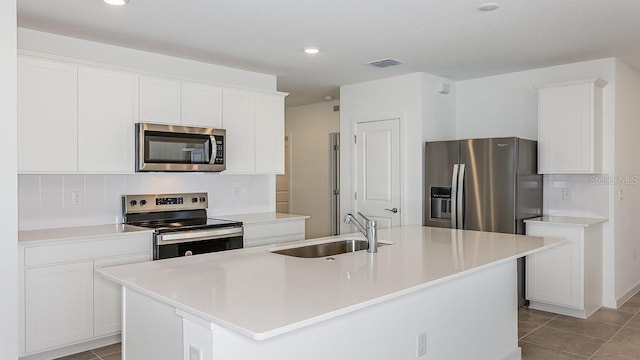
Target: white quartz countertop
x,y
258,218
72,233
567,220
260,294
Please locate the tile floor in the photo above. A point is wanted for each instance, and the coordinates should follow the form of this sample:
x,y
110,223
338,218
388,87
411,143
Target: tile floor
x,y
608,334
110,352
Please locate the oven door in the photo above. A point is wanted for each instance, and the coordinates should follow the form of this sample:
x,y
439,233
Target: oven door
x,y
179,148
187,243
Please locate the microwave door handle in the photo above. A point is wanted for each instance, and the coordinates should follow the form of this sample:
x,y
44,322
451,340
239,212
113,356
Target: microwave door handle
x,y
212,155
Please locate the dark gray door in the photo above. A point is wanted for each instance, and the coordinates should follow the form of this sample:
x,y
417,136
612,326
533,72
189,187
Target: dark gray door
x,y
440,158
489,184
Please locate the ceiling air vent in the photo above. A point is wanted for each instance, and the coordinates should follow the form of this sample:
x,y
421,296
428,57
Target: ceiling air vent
x,y
385,63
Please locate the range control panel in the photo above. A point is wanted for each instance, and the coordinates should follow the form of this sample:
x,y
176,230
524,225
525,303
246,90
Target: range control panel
x,y
164,202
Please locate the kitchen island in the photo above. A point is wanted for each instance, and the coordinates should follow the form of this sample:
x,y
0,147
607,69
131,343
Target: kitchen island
x,y
448,293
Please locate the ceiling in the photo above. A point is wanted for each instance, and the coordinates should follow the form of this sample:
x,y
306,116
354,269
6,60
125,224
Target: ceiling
x,y
448,38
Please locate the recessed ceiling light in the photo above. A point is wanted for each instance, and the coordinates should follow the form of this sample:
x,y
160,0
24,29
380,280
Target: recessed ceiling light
x,y
311,50
490,6
116,2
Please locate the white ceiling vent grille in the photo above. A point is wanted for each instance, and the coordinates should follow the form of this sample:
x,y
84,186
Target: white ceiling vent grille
x,y
385,63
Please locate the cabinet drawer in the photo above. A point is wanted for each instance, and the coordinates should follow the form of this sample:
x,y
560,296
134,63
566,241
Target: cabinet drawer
x,y
87,250
273,230
571,234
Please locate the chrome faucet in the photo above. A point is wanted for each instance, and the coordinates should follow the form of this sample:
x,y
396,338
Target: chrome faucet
x,y
369,231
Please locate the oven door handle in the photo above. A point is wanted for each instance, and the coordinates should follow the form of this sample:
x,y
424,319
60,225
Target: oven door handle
x,y
186,236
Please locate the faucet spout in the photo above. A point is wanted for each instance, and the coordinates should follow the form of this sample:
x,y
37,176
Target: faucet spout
x,y
368,230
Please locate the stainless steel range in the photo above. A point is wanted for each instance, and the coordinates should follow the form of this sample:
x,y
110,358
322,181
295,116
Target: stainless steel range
x,y
181,225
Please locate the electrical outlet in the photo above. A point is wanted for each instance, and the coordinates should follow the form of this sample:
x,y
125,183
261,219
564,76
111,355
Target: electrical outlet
x,y
422,344
567,193
195,353
76,197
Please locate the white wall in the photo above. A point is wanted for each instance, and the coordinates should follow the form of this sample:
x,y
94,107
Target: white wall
x,y
507,104
308,127
45,201
424,114
8,179
37,41
627,180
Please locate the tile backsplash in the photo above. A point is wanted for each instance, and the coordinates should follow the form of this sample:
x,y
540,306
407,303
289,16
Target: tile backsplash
x,y
586,196
54,201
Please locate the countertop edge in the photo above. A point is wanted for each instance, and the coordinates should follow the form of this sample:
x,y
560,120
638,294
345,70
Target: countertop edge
x,y
43,236
264,335
567,221
262,218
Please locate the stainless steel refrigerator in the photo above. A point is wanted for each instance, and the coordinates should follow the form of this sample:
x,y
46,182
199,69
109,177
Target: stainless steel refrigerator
x,y
483,184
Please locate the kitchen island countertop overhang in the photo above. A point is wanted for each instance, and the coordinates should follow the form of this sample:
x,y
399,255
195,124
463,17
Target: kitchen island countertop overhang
x,y
260,294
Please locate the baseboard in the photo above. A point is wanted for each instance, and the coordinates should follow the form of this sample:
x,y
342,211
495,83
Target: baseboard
x,y
514,355
627,295
557,309
73,349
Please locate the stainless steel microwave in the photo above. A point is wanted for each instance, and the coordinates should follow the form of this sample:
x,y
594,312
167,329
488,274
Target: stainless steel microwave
x,y
179,148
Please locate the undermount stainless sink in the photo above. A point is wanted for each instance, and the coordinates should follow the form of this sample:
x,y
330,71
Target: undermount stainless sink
x,y
327,249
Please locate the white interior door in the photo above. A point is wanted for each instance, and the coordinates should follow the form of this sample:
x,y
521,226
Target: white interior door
x,y
377,177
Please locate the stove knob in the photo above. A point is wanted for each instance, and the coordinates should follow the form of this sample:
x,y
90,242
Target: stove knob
x,y
202,199
194,200
143,202
133,203
188,253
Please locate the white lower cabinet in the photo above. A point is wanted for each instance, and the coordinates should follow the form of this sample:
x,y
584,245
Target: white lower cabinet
x,y
273,233
107,297
59,305
566,279
62,301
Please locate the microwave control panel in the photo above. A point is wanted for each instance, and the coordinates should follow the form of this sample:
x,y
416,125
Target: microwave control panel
x,y
219,146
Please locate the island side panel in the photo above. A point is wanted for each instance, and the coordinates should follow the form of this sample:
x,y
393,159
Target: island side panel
x,y
471,317
151,329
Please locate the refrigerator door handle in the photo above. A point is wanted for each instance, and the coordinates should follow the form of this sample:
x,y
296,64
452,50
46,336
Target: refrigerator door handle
x,y
454,196
460,197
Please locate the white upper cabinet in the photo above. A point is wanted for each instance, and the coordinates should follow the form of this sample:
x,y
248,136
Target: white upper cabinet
x,y
201,105
80,118
570,127
169,101
255,131
269,133
238,118
107,111
160,100
47,116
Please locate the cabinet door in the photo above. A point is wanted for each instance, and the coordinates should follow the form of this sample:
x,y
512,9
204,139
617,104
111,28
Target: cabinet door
x,y
106,114
47,116
58,305
555,275
269,134
570,127
159,100
238,118
107,297
201,105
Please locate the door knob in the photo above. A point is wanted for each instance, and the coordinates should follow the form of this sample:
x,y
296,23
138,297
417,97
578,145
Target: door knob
x,y
394,210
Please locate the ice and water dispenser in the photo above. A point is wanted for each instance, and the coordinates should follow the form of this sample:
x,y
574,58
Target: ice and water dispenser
x,y
441,203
